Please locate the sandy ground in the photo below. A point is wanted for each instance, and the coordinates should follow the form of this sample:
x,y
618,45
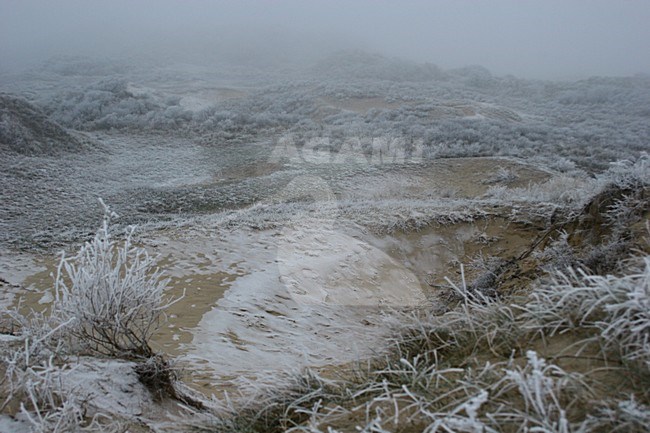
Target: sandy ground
x,y
443,109
360,105
313,291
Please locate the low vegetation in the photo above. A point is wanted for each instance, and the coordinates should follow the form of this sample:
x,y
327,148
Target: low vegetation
x,y
26,129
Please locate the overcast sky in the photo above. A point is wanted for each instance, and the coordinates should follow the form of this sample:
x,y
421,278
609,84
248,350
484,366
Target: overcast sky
x,y
527,38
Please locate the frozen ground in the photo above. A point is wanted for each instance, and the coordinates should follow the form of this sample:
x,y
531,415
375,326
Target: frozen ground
x,y
309,294
304,296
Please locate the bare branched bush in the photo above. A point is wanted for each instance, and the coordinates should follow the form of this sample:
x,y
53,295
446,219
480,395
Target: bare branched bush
x,y
115,294
558,254
109,301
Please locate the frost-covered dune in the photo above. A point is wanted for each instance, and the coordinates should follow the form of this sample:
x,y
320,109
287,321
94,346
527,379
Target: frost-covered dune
x,y
26,129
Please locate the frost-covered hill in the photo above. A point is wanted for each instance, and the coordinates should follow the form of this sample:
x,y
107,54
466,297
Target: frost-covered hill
x,y
26,129
363,65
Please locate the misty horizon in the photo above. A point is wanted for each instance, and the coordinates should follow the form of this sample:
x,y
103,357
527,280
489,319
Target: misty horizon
x,y
539,40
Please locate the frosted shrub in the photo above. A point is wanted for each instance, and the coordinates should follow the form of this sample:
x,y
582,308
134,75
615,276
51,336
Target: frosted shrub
x,y
34,365
46,405
630,174
501,175
109,301
114,292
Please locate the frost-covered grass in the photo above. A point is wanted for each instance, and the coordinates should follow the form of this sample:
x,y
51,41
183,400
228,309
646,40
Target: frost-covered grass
x,y
463,112
475,367
479,365
615,308
575,128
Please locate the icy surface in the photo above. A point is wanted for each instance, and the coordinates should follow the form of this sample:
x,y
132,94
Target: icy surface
x,y
308,296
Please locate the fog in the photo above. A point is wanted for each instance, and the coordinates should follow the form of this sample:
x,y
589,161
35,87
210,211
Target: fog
x,y
532,39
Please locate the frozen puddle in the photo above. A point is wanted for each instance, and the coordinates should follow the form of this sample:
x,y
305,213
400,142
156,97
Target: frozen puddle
x,y
300,296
